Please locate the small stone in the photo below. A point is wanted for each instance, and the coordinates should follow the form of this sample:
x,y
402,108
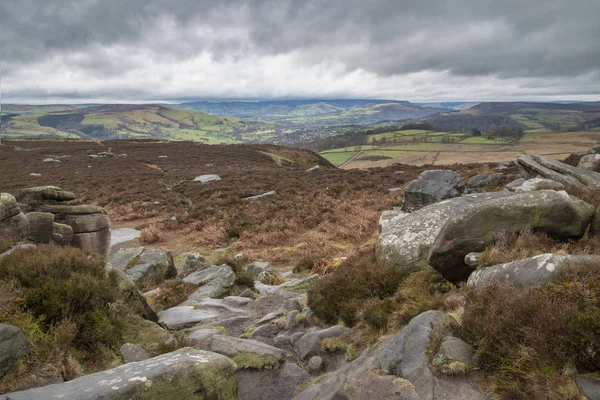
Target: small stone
x,y
132,353
292,304
207,178
314,364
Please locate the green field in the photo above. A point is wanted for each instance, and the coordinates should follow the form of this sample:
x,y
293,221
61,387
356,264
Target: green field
x,y
337,158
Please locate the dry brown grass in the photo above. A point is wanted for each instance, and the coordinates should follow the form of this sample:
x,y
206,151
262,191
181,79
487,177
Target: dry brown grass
x,y
151,234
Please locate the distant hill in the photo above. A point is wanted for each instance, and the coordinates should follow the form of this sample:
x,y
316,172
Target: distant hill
x,y
126,121
531,116
317,111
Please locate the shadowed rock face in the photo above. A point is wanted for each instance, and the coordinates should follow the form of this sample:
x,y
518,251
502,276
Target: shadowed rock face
x,y
444,233
13,345
14,225
431,187
184,374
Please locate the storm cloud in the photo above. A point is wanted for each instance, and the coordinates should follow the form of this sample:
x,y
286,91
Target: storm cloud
x,y
154,50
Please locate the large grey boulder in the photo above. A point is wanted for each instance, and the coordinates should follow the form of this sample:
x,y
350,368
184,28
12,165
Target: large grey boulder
x,y
405,354
310,343
387,215
481,182
443,234
13,345
528,272
144,265
589,385
453,351
14,225
122,235
532,165
133,353
216,281
431,187
591,162
131,292
594,149
183,374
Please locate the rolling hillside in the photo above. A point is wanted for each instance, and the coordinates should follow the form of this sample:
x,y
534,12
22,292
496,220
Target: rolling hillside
x,y
131,122
317,111
533,117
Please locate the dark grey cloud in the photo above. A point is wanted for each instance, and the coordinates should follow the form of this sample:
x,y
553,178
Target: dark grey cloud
x,y
253,48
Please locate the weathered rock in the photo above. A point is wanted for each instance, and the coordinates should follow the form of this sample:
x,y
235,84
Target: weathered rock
x,y
259,270
404,354
215,280
454,349
192,261
594,149
473,259
274,385
264,289
481,182
62,234
310,343
133,353
292,304
14,225
122,235
41,227
515,184
589,385
315,363
388,215
180,317
132,293
395,190
315,168
50,160
94,242
265,333
183,374
200,338
43,194
531,166
443,233
591,162
528,272
207,178
144,264
231,346
63,210
13,345
534,184
261,197
431,187
87,223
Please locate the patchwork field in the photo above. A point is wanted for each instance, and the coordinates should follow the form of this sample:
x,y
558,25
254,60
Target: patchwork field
x,y
465,150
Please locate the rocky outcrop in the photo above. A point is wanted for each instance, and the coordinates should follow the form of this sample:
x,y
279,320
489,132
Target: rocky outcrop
x,y
535,184
144,265
443,234
431,187
132,293
83,226
528,272
13,345
591,162
481,182
215,282
184,374
14,225
531,166
310,343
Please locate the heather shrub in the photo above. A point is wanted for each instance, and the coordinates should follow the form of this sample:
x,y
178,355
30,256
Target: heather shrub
x,y
531,340
171,293
341,294
150,235
70,310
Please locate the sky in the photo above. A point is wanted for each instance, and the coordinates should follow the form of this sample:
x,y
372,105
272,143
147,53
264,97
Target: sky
x,y
81,51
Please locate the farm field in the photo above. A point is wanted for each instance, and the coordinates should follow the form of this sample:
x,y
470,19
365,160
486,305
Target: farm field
x,y
473,149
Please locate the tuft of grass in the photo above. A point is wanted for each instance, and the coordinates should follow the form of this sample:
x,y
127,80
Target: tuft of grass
x,y
531,341
221,329
242,278
351,353
151,234
247,333
253,361
171,293
449,367
333,345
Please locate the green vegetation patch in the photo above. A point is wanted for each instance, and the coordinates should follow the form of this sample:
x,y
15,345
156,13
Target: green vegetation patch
x,y
253,361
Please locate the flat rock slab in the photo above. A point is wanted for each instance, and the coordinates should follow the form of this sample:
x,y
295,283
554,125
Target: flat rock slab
x,y
182,317
207,178
40,194
431,187
231,346
261,197
215,280
123,235
144,264
184,374
528,272
267,289
533,165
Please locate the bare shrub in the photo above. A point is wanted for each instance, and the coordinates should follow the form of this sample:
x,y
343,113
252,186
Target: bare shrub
x,y
151,234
